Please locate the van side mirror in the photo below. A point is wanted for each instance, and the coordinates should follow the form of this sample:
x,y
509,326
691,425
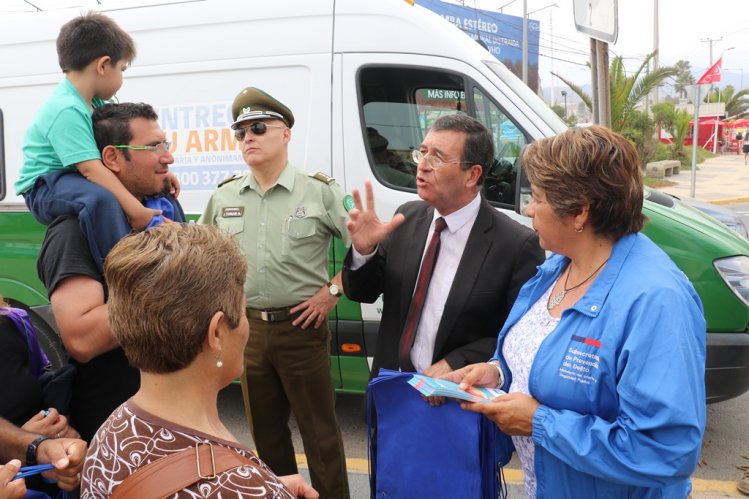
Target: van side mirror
x,y
522,186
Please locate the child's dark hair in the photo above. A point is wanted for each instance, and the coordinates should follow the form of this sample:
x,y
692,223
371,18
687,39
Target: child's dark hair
x,y
90,36
112,123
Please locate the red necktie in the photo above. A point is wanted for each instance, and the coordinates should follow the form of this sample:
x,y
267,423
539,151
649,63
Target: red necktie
x,y
417,301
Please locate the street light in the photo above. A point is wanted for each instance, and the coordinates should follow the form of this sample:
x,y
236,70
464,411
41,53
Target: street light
x,y
742,75
564,94
542,8
525,36
505,5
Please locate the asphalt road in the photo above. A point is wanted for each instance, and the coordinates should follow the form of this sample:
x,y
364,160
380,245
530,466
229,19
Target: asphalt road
x,y
726,441
725,446
742,209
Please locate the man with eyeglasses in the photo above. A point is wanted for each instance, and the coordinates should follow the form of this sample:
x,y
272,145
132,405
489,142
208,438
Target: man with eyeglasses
x,y
476,258
133,147
284,220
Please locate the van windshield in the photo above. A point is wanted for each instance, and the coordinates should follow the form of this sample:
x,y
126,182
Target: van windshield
x,y
400,104
528,96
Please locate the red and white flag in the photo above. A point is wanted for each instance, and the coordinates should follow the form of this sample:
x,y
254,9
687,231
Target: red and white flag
x,y
712,75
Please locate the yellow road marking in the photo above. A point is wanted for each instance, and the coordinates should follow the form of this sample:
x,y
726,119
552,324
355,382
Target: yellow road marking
x,y
514,476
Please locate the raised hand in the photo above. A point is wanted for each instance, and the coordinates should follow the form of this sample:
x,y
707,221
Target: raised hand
x,y
367,231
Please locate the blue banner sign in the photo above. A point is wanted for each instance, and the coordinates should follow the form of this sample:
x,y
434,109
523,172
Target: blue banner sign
x,y
501,34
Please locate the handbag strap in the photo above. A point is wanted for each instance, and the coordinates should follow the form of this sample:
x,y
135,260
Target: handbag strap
x,y
20,318
170,474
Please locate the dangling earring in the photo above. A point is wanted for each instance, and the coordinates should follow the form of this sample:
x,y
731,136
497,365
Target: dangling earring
x,y
219,362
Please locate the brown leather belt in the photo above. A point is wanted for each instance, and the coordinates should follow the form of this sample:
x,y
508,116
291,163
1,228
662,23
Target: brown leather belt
x,y
270,314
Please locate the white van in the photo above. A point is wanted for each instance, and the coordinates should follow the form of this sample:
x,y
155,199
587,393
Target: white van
x,y
364,78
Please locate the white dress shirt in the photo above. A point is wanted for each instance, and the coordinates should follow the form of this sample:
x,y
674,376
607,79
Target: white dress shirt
x,y
453,242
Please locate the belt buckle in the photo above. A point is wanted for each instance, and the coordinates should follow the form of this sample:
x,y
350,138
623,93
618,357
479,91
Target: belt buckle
x,y
266,316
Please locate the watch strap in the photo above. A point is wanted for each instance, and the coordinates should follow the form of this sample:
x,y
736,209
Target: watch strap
x,y
31,450
338,290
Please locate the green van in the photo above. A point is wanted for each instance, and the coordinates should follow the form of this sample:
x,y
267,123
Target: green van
x,y
362,102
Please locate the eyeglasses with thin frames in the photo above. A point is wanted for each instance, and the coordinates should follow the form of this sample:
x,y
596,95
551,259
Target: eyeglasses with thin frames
x,y
159,148
257,128
433,161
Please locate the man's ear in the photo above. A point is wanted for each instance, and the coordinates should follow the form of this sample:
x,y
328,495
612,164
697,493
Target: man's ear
x,y
287,135
475,175
111,158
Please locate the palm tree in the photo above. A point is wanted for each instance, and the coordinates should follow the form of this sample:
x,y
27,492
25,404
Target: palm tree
x,y
737,103
684,78
626,91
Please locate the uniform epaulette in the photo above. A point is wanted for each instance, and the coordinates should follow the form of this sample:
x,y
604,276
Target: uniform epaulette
x,y
322,177
228,179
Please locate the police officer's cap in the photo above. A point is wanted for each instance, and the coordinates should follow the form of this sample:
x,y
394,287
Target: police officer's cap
x,y
254,104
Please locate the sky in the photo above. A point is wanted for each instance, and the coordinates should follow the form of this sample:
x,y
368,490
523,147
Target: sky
x,y
683,24
684,28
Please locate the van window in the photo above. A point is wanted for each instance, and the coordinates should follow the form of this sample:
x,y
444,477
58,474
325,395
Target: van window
x,y
399,104
499,185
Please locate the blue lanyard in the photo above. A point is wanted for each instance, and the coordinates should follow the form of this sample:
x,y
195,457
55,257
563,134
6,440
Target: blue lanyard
x,y
35,470
32,470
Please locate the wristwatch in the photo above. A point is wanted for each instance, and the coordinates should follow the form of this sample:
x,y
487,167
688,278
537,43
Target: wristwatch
x,y
32,449
334,290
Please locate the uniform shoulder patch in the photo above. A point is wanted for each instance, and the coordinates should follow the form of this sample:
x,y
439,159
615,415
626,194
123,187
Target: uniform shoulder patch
x,y
322,177
228,179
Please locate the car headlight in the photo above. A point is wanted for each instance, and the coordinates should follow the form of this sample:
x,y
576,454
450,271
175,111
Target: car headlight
x,y
735,272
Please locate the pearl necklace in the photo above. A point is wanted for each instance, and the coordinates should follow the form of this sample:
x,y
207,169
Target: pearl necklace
x,y
557,298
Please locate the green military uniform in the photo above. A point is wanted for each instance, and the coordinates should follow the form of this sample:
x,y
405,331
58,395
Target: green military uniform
x,y
285,233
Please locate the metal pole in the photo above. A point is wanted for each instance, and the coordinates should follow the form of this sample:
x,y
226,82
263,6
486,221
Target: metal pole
x,y
551,49
525,41
594,79
710,43
695,139
604,86
564,94
655,46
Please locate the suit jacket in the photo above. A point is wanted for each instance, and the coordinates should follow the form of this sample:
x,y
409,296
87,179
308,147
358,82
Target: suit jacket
x,y
500,255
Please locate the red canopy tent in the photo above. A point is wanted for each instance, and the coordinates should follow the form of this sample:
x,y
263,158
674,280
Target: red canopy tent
x,y
740,123
710,129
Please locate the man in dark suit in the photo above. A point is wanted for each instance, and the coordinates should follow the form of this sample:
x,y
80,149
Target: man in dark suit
x,y
483,259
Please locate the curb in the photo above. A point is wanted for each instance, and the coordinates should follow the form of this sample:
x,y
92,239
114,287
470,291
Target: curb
x,y
740,199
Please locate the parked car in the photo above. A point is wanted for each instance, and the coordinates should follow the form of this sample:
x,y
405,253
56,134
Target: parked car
x,y
727,217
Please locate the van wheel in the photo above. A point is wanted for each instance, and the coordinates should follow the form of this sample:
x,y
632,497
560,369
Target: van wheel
x,y
47,335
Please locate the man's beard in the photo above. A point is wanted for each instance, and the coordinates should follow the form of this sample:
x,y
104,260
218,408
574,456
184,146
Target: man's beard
x,y
166,189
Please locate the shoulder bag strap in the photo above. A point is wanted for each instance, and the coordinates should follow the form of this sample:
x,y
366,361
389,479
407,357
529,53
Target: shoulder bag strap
x,y
37,359
170,474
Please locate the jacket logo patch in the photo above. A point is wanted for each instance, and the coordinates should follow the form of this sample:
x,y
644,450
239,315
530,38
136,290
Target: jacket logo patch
x,y
232,212
300,212
587,341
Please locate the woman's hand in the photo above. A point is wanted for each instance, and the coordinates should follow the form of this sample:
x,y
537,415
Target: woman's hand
x,y
481,374
298,487
513,413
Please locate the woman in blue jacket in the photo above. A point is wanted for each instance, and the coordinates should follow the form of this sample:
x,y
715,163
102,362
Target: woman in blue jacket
x,y
603,353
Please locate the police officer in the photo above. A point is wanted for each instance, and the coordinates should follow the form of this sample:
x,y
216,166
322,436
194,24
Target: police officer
x,y
284,218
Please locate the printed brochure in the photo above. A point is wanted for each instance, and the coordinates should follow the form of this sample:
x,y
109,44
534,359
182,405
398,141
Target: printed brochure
x,y
431,387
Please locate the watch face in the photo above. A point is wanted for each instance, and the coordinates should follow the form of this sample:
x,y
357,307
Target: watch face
x,y
333,290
